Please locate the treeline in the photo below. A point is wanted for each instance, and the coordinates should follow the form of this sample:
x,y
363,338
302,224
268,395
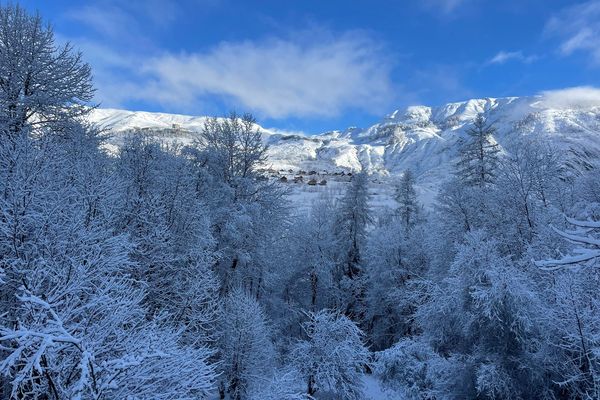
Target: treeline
x,y
171,272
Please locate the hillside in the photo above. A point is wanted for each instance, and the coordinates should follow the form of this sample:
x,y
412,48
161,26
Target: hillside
x,y
424,139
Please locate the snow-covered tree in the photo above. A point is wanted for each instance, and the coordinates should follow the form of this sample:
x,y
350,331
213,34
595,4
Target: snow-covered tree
x,y
457,205
332,356
245,346
353,216
575,335
247,212
100,347
37,77
74,320
587,250
409,208
486,315
78,326
168,271
479,154
414,370
587,186
394,266
234,146
525,196
171,231
282,386
573,296
312,259
42,87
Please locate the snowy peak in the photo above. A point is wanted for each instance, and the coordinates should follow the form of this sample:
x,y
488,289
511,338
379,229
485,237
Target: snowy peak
x,y
424,139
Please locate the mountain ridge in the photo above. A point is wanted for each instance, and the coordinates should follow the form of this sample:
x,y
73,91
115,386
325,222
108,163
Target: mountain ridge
x,y
422,138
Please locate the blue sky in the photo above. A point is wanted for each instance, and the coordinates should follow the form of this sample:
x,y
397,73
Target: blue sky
x,y
317,65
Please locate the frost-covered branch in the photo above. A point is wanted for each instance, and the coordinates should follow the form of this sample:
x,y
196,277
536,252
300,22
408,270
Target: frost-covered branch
x,y
587,252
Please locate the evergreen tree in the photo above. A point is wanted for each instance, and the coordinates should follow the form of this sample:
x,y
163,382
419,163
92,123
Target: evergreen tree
x,y
486,316
409,208
350,232
479,154
312,260
353,216
394,269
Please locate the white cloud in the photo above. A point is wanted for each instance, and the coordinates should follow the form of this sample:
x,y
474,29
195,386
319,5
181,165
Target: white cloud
x,y
314,74
578,28
111,70
311,76
505,56
575,97
308,74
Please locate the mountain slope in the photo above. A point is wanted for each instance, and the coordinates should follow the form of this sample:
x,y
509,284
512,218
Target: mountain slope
x,y
425,139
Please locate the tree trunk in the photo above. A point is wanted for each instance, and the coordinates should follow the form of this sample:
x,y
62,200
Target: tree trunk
x,y
311,386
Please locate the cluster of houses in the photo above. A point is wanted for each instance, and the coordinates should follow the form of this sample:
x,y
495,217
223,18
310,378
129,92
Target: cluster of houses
x,y
312,178
300,179
174,131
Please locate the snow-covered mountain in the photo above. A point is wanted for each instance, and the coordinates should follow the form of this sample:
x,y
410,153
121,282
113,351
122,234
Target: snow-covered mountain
x,y
424,139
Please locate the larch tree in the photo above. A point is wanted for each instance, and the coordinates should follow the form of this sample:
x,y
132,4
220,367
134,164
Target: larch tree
x,y
312,249
486,315
409,208
479,154
353,216
350,231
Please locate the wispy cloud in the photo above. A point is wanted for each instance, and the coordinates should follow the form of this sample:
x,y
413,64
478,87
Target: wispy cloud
x,y
578,28
503,57
309,74
318,75
569,98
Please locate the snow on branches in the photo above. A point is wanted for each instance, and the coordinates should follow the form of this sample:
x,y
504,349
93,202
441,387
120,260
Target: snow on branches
x,y
587,251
